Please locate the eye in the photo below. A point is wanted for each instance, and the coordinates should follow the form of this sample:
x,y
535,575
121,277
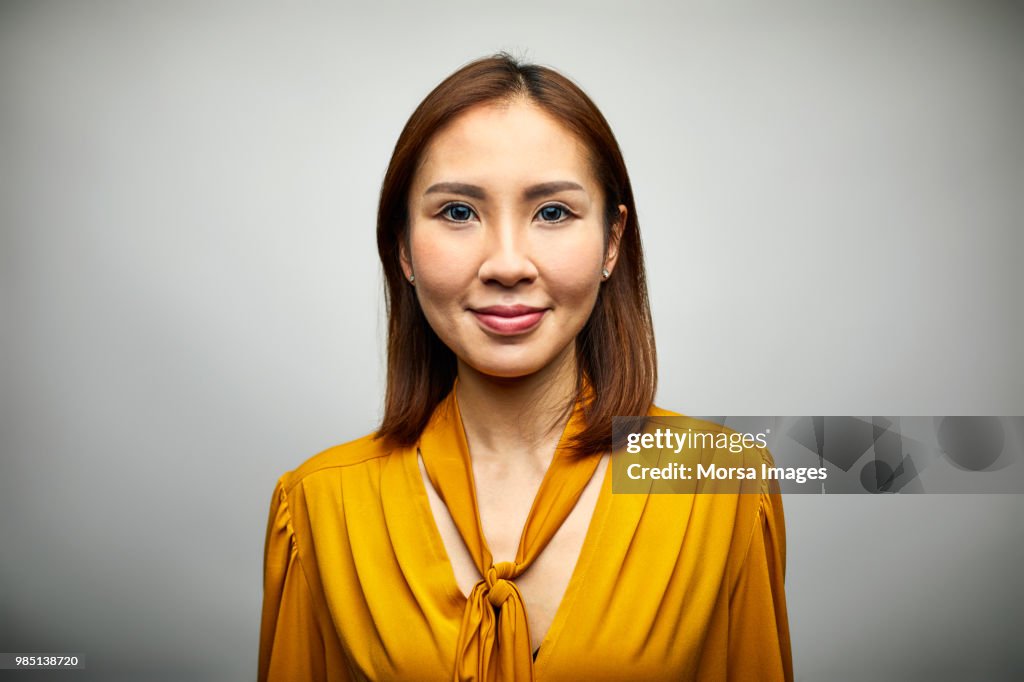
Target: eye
x,y
554,213
457,213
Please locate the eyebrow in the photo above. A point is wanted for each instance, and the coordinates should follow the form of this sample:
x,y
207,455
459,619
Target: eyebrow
x,y
546,188
530,193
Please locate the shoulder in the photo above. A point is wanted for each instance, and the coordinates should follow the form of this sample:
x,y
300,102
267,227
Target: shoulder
x,y
721,445
364,451
677,420
751,506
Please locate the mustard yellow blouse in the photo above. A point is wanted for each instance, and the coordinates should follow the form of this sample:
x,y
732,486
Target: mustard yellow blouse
x,y
358,586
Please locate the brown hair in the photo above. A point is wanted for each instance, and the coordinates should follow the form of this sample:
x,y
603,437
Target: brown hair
x,y
615,349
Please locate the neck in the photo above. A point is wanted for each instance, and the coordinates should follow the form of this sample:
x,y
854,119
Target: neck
x,y
517,417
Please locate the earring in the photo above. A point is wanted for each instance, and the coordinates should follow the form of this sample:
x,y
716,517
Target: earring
x,y
412,279
605,273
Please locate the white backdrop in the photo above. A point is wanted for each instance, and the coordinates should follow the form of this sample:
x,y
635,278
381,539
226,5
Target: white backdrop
x,y
830,199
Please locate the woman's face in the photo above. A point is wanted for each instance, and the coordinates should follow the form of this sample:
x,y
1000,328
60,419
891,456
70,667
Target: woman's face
x,y
506,238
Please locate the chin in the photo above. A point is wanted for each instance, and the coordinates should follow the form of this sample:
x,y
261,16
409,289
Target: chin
x,y
512,366
505,372
505,368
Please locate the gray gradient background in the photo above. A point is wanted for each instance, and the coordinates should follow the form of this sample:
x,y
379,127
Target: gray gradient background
x,y
831,200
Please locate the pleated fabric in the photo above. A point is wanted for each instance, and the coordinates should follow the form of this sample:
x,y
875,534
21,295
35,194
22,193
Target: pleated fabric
x,y
494,638
358,585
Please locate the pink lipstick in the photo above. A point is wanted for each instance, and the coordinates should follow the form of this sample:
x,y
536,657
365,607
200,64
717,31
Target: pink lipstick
x,y
509,320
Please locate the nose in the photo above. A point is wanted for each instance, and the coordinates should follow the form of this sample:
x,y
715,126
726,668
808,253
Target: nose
x,y
507,259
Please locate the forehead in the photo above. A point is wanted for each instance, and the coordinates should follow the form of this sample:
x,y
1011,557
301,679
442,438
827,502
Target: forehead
x,y
507,142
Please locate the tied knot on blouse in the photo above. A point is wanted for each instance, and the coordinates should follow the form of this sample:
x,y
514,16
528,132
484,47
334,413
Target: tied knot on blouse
x,y
494,642
497,585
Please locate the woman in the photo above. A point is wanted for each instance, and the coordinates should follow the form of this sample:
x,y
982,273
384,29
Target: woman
x,y
474,536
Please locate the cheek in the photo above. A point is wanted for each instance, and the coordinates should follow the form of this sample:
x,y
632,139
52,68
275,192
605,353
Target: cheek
x,y
573,271
572,282
443,267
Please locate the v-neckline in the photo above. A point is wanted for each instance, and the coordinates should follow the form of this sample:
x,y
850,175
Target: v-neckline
x,y
595,528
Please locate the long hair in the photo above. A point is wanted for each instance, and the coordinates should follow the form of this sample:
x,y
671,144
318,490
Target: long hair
x,y
615,349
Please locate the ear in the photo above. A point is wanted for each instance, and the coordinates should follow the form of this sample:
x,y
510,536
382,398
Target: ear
x,y
404,258
616,236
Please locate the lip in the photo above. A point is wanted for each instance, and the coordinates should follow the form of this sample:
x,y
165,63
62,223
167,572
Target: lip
x,y
509,320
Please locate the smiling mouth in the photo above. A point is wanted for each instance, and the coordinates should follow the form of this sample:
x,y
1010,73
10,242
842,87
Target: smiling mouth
x,y
509,320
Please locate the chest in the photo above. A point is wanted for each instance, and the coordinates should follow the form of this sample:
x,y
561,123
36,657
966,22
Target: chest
x,y
504,505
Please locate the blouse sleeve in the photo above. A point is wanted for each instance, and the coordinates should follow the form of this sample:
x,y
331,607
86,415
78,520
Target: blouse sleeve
x,y
759,646
291,645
